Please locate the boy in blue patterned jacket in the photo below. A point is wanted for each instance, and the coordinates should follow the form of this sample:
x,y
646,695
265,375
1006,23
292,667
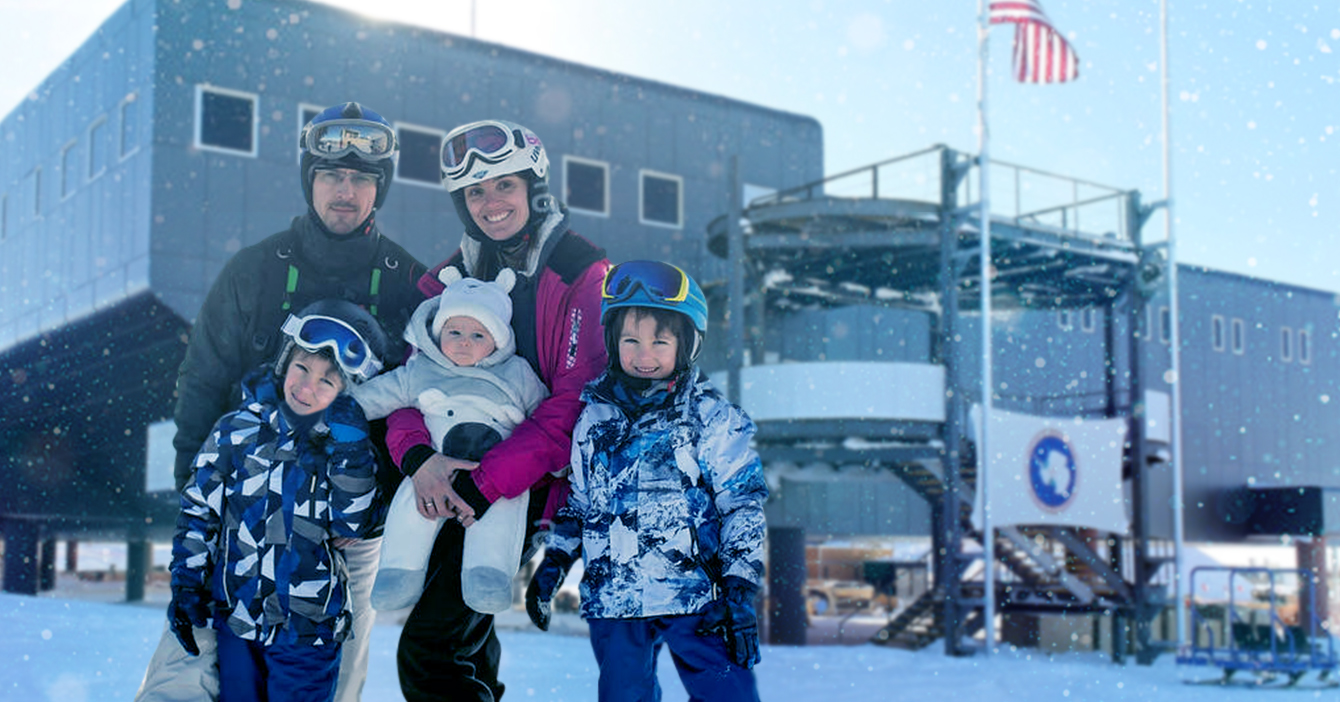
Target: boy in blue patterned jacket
x,y
279,483
666,505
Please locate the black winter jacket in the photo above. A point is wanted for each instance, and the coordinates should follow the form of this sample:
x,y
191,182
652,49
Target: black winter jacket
x,y
238,325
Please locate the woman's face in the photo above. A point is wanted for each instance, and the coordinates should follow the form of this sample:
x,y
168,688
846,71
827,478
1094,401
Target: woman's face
x,y
500,206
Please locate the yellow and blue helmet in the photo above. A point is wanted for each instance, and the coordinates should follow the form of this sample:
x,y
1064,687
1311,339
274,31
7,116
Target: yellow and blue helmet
x,y
657,285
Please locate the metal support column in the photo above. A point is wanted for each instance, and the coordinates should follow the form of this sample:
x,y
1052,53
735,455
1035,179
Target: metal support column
x,y
949,538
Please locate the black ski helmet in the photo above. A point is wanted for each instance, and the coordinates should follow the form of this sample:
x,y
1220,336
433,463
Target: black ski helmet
x,y
349,136
325,324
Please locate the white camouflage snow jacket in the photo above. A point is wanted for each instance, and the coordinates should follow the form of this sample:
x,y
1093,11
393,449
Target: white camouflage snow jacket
x,y
667,499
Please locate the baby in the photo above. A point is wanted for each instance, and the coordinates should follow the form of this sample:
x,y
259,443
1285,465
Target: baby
x,y
472,388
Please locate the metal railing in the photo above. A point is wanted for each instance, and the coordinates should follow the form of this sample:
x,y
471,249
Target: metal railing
x,y
1024,194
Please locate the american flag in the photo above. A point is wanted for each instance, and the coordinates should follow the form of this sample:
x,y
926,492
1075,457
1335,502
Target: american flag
x,y
1041,54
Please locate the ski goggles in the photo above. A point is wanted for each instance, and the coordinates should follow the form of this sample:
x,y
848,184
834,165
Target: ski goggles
x,y
661,282
491,142
316,332
334,138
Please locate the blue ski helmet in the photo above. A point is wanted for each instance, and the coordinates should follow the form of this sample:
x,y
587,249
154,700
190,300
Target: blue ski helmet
x,y
657,285
355,340
349,135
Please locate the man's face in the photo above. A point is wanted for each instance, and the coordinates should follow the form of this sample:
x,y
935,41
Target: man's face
x,y
343,197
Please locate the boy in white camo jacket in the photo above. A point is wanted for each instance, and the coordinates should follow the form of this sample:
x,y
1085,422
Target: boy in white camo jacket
x,y
666,506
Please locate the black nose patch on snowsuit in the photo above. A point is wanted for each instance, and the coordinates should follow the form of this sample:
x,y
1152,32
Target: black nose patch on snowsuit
x,y
469,440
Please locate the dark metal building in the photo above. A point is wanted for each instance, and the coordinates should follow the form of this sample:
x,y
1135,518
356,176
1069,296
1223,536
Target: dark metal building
x,y
168,142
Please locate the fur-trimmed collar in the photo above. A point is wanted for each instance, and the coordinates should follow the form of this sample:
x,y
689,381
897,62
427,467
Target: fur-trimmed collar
x,y
555,223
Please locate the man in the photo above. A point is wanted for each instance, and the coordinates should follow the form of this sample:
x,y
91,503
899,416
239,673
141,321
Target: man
x,y
334,251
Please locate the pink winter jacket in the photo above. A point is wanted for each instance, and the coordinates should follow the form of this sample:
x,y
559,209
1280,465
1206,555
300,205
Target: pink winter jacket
x,y
570,347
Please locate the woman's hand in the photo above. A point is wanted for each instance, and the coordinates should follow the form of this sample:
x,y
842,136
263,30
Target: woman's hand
x,y
433,493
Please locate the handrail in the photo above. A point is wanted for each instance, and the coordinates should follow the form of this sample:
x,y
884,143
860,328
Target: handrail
x,y
1046,186
1074,205
808,188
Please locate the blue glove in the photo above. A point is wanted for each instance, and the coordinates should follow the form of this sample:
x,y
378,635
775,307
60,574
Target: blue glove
x,y
189,608
346,420
544,586
732,617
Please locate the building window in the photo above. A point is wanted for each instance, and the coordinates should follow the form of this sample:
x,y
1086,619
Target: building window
x,y
306,113
1286,344
33,187
97,148
67,172
662,199
1064,321
420,155
1088,320
130,125
1165,325
225,120
1217,330
586,185
1239,336
1304,346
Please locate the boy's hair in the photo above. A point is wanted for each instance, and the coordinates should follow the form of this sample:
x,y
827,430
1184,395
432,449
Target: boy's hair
x,y
677,324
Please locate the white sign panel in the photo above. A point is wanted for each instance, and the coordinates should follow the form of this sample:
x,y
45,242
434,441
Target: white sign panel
x,y
1054,471
161,457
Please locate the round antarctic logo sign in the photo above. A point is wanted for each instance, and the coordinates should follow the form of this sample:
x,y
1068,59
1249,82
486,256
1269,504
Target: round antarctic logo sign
x,y
1051,471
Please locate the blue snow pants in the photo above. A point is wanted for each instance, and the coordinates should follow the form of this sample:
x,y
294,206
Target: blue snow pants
x,y
251,672
626,651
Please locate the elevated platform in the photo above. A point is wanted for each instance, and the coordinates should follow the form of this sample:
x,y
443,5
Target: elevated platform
x,y
1074,250
907,234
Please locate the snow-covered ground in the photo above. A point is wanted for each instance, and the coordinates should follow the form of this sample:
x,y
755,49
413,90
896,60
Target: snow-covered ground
x,y
78,643
78,650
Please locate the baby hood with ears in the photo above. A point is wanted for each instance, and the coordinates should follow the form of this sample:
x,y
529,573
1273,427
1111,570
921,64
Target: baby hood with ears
x,y
486,302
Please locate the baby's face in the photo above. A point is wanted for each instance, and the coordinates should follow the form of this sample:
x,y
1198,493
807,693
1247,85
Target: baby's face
x,y
465,341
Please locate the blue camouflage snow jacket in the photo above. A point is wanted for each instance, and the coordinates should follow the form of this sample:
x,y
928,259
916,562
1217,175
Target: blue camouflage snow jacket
x,y
667,498
260,510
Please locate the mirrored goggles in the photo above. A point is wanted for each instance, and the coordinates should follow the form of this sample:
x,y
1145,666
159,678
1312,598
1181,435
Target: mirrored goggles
x,y
661,282
490,141
371,141
315,332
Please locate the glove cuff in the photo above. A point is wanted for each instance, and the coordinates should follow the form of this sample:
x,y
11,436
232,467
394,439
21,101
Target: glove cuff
x,y
562,559
464,485
414,459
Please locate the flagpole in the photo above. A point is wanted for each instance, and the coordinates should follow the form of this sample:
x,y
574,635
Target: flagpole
x,y
983,172
1174,338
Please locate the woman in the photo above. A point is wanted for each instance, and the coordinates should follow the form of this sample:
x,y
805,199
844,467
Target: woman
x,y
497,174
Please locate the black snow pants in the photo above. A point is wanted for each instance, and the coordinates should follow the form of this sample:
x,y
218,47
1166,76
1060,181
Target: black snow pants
x,y
447,650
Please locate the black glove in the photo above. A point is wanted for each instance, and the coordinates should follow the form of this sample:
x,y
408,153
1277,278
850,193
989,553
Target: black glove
x,y
732,617
544,586
464,485
189,608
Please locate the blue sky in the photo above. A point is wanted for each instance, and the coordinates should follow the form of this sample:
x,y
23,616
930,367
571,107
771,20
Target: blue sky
x,y
1255,92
